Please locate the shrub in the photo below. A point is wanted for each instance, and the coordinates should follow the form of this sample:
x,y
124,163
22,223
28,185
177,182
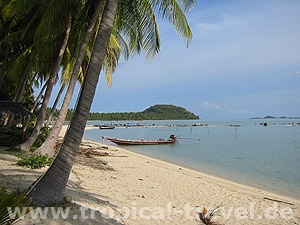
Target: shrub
x,y
11,200
33,161
44,132
10,137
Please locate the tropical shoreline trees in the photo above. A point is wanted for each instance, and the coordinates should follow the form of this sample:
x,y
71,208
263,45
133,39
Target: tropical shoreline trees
x,y
124,25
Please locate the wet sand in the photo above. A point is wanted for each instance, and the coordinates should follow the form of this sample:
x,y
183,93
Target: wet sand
x,y
135,189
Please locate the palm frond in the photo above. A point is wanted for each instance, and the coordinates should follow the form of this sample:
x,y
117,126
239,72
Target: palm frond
x,y
171,10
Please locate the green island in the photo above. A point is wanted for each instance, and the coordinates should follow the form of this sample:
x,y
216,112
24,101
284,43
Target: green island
x,y
156,112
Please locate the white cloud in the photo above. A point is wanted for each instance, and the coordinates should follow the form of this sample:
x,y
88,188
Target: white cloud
x,y
227,22
211,105
239,53
233,21
243,111
205,28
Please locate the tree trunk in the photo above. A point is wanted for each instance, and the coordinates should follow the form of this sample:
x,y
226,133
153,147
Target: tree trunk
x,y
27,145
18,96
3,67
49,144
30,85
51,187
34,106
23,85
55,104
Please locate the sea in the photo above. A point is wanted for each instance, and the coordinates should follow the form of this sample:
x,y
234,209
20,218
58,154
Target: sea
x,y
245,151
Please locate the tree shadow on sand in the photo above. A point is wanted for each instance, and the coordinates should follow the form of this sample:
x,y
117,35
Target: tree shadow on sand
x,y
100,210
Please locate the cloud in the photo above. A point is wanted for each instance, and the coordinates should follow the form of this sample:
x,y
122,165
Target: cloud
x,y
205,28
243,111
243,53
233,21
211,105
226,23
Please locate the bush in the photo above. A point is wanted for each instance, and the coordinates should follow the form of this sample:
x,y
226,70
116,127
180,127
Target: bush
x,y
44,132
33,161
10,137
13,136
12,200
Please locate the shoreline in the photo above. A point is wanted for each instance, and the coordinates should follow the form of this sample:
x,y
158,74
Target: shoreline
x,y
210,176
242,194
168,183
227,182
278,193
179,186
145,190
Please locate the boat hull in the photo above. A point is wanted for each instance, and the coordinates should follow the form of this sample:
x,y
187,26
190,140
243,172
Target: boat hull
x,y
106,127
119,141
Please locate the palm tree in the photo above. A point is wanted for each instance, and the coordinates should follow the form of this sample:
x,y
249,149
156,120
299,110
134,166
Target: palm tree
x,y
27,145
62,88
109,64
45,192
48,145
35,105
34,30
51,186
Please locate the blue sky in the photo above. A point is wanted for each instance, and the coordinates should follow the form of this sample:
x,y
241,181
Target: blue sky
x,y
243,61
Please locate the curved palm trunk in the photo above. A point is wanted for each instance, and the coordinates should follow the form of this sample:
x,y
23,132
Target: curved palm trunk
x,y
34,105
30,85
27,145
3,67
55,104
49,144
18,96
51,187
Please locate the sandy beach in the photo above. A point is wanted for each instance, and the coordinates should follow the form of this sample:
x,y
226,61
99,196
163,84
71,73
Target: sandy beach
x,y
135,189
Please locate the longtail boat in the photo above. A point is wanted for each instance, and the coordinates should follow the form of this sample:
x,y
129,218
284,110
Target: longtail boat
x,y
119,141
106,127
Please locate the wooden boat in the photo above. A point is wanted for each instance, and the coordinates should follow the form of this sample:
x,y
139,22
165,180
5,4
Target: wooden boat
x,y
120,141
106,126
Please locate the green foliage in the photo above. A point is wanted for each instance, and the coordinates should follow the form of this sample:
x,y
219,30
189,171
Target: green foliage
x,y
12,200
156,112
33,161
44,132
13,136
56,114
10,136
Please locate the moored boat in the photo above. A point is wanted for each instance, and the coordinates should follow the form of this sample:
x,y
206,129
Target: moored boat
x,y
106,126
119,141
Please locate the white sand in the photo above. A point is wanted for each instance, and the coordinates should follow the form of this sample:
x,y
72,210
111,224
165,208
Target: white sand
x,y
149,191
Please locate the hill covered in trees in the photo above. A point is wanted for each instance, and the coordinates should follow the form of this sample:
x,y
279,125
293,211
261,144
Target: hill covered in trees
x,y
156,112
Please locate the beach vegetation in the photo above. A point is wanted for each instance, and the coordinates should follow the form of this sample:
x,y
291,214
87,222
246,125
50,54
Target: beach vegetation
x,y
33,161
39,38
11,200
11,137
43,134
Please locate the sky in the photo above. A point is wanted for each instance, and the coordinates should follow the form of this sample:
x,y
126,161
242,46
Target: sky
x,y
243,61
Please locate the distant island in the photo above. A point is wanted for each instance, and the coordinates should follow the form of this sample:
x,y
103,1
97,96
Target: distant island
x,y
274,117
156,112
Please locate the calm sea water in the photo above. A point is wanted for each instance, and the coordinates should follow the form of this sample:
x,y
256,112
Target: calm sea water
x,y
263,157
